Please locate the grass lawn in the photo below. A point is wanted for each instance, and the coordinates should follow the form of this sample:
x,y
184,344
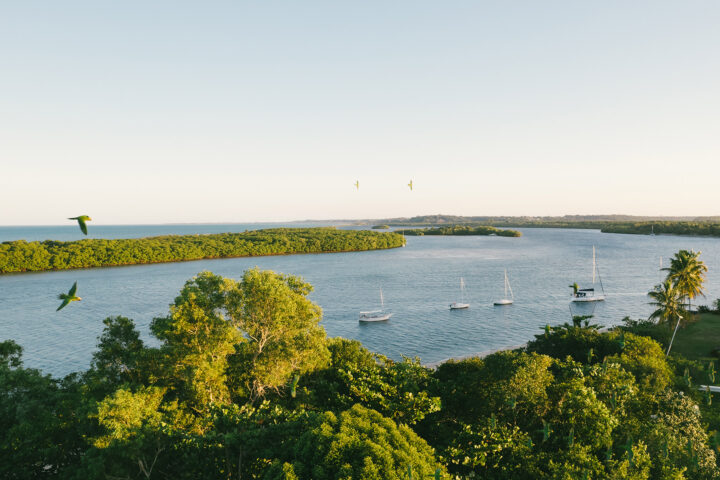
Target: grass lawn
x,y
697,339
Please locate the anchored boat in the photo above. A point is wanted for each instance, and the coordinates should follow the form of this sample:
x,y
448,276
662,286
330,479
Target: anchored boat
x,y
376,315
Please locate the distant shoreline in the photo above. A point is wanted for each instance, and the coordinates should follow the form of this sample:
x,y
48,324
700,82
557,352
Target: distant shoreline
x,y
23,257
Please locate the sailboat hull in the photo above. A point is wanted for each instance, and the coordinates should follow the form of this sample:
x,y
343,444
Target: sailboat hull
x,y
459,306
503,302
599,298
375,318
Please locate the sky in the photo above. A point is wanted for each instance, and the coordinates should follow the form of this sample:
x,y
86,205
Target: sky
x,y
243,111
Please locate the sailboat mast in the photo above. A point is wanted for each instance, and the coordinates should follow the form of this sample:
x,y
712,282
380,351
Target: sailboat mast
x,y
382,302
462,290
506,283
593,273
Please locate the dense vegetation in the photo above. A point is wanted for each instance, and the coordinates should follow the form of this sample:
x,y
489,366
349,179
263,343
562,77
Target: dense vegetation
x,y
22,256
675,228
461,230
244,384
580,221
709,226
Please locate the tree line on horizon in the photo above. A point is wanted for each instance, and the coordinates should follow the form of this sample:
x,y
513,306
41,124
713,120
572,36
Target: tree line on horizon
x,y
23,256
460,230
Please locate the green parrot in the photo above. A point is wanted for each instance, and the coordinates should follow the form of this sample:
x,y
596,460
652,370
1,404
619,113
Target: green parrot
x,y
81,221
545,431
68,297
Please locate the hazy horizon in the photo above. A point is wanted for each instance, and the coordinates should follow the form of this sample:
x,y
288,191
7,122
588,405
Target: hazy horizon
x,y
216,112
72,223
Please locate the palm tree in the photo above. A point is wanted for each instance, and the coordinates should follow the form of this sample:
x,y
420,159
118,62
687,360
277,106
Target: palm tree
x,y
687,272
668,302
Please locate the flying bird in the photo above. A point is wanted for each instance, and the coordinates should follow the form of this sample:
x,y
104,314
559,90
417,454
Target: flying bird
x,y
410,185
357,184
81,221
68,297
546,431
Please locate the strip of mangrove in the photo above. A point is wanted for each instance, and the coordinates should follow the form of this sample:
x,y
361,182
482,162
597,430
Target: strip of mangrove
x,y
709,229
23,256
461,230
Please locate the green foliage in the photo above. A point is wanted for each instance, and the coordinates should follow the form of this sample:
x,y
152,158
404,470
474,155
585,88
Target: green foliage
x,y
668,304
38,427
197,341
574,341
119,355
357,444
398,390
461,230
283,331
711,228
645,359
23,256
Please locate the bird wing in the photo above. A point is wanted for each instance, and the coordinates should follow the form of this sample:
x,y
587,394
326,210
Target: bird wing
x,y
62,305
72,291
82,224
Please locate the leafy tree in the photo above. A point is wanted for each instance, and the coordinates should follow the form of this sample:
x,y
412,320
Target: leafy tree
x,y
197,341
119,355
575,341
38,429
644,358
282,331
359,443
398,390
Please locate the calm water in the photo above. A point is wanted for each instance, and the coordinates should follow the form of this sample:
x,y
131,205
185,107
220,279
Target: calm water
x,y
418,282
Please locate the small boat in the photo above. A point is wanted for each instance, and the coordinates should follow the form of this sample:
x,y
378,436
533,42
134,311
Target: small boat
x,y
461,304
505,300
376,315
588,294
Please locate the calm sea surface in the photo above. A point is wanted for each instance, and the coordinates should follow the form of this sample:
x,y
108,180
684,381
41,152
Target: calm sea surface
x,y
418,282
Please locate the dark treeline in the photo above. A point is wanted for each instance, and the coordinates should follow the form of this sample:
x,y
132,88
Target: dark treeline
x,y
674,228
242,383
566,221
23,256
606,223
461,230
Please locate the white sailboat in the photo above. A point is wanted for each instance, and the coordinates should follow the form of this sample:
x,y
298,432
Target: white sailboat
x,y
588,294
376,315
461,304
505,300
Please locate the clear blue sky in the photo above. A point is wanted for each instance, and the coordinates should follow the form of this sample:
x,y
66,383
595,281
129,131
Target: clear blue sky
x,y
172,111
